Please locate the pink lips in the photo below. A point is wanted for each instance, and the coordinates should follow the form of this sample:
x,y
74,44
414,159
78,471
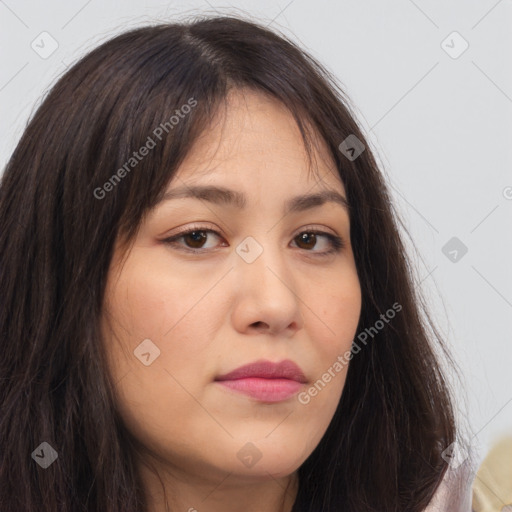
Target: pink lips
x,y
265,381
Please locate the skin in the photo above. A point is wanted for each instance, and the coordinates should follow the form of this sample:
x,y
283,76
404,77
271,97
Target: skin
x,y
211,313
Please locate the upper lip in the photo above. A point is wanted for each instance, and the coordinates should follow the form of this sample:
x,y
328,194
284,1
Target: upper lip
x,y
286,369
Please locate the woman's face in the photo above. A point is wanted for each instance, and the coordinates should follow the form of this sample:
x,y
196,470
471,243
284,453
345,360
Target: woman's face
x,y
262,289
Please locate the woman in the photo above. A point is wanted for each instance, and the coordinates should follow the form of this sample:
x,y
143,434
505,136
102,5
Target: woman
x,y
286,367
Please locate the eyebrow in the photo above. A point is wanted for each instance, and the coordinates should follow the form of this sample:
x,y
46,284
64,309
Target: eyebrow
x,y
221,195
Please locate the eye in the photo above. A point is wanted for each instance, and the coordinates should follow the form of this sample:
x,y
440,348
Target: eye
x,y
310,237
195,238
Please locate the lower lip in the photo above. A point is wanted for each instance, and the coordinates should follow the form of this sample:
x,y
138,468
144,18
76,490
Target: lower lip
x,y
267,390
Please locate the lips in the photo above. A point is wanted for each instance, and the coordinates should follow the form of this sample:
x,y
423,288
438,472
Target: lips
x,y
264,381
262,369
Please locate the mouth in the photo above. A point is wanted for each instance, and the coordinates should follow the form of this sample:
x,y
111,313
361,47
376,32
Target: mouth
x,y
265,381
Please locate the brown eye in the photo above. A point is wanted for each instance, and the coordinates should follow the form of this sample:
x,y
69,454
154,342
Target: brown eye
x,y
196,239
309,239
192,240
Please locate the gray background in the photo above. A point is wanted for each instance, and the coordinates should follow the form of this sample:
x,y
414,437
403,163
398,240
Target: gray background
x,y
441,127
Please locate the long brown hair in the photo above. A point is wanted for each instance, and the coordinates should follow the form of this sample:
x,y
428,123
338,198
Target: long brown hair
x,y
382,450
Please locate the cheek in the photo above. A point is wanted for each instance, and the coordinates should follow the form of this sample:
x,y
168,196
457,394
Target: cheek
x,y
339,309
145,301
333,328
148,302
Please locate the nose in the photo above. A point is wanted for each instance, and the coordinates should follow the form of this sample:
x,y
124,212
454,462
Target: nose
x,y
266,295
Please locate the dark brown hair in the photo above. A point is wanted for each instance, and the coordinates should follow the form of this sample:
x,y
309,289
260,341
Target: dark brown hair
x,y
382,450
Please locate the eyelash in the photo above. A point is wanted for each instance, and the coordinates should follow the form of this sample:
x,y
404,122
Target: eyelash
x,y
337,243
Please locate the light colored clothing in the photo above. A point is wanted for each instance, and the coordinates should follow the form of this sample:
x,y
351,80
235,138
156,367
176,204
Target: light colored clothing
x,y
492,488
487,490
454,494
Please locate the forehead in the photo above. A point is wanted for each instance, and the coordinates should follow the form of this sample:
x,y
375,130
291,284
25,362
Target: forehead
x,y
255,138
